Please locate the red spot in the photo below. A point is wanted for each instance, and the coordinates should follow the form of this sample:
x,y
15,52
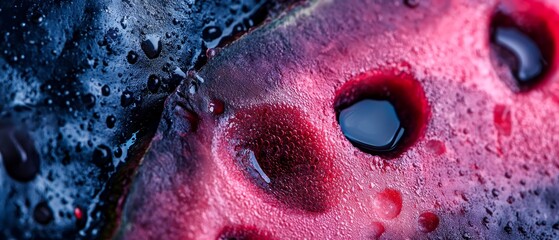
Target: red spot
x,y
388,203
428,222
78,213
377,229
436,147
502,119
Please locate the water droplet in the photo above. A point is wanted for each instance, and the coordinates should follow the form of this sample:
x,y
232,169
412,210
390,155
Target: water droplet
x,y
371,125
211,33
105,90
522,56
216,107
81,217
377,229
132,57
436,147
126,98
18,153
111,120
103,158
211,52
411,3
43,213
88,100
388,203
78,213
153,83
152,46
428,222
502,119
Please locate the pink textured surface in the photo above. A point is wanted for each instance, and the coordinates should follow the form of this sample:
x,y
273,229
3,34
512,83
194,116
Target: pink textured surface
x,y
487,163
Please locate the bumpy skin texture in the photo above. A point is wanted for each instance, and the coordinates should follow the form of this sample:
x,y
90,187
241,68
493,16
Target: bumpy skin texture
x,y
486,164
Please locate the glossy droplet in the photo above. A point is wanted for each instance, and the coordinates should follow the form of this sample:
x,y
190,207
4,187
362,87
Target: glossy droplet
x,y
211,33
81,218
103,158
371,125
110,121
377,229
43,213
388,204
502,119
216,107
88,100
211,52
106,90
78,213
126,98
153,83
428,222
152,46
18,153
132,57
521,54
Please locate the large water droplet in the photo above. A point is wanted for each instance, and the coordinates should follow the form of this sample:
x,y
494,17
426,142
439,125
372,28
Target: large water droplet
x,y
152,46
103,158
153,83
528,62
211,33
18,153
372,125
43,213
388,204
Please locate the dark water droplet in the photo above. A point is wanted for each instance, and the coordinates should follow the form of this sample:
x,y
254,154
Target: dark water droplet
x,y
153,83
132,57
103,158
118,152
377,229
111,120
152,46
520,53
19,155
372,125
428,222
412,3
106,90
88,100
211,33
216,107
43,213
126,98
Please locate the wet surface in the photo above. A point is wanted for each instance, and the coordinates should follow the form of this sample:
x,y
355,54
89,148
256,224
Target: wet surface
x,y
83,87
